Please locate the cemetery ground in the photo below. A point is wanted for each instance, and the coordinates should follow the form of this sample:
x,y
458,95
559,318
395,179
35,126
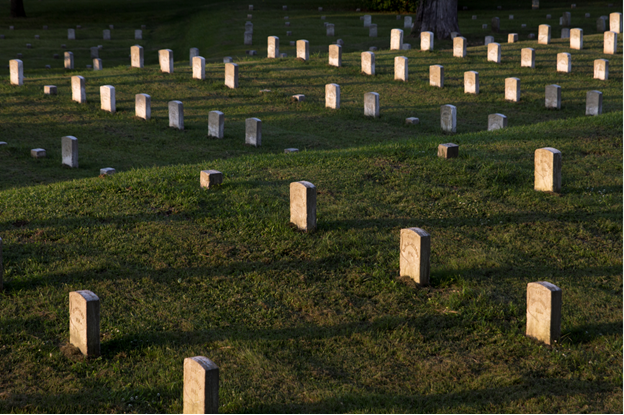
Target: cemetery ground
x,y
319,321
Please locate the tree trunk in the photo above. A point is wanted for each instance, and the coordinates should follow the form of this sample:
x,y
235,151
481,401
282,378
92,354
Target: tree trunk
x,y
437,16
17,8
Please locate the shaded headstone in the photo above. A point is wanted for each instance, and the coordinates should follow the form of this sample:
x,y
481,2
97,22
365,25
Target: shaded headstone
x,y
106,34
593,103
576,39
448,118
459,47
412,120
84,322
566,19
406,46
69,60
367,20
329,29
69,151
16,67
407,22
97,64
138,34
143,106
371,104
448,151
199,67
471,82
372,30
209,178
248,38
426,41
494,52
201,386
488,40
553,97
227,59
303,205
49,89
396,39
436,76
415,253
401,72
291,150
368,63
38,153
610,43
512,38
335,55
231,75
495,24
565,33
176,115
253,132
527,58
601,24
496,122
136,56
107,98
332,96
79,93
165,58
95,52
216,122
71,34
303,49
273,47
543,37
298,98
547,170
192,53
564,62
543,312
601,69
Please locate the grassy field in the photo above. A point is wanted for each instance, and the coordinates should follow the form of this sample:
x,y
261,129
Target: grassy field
x,y
318,322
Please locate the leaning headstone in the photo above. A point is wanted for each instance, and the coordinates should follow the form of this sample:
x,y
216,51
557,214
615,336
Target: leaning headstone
x,y
69,60
593,103
329,29
543,312
494,52
303,49
371,104
495,24
576,39
564,62
17,72
216,122
553,97
176,115
69,151
71,34
367,20
512,89
209,178
332,96
471,82
601,69
97,64
38,153
448,118
303,205
106,34
488,40
601,24
79,93
565,33
426,41
165,58
547,170
248,38
610,43
107,98
136,56
615,22
543,37
107,171
253,132
407,22
372,30
95,52
273,47
512,38
231,75
415,253
448,151
143,106
527,58
396,39
84,322
335,55
496,122
201,386
368,63
401,72
436,76
459,47
199,67
192,53
138,34
49,89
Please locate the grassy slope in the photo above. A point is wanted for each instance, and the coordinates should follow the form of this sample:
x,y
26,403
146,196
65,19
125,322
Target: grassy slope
x,y
319,322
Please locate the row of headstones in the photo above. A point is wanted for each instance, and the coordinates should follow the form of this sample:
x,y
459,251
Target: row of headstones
x,y
106,33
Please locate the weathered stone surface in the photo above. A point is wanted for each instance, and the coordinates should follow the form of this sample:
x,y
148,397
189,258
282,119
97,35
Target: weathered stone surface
x,y
488,40
49,89
401,72
208,178
593,103
69,151
329,29
231,75
97,64
165,58
565,33
79,93
527,58
610,43
496,122
543,37
332,96
547,170
95,52
84,322
601,24
372,30
471,82
107,171
553,96
368,63
298,98
415,253
396,39
253,132
138,34
436,76
176,115
199,68
615,22
216,122
495,24
107,98
248,38
17,72
371,104
69,60
412,120
303,50
601,69
459,47
303,205
564,62
106,34
448,118
512,89
448,150
192,53
367,20
512,38
544,302
426,41
494,52
143,106
71,34
407,22
576,39
273,47
201,386
335,55
136,56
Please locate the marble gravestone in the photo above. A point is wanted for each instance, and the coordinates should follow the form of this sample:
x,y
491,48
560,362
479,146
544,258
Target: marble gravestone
x,y
201,386
547,170
216,122
303,205
401,72
543,318
69,151
448,118
84,322
415,251
332,96
143,106
253,132
176,115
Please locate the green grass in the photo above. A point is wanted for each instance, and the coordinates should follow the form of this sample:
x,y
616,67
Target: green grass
x,y
297,322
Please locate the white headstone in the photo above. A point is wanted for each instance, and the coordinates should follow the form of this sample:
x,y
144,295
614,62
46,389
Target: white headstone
x,y
201,386
69,151
415,253
303,205
494,52
253,132
459,47
107,98
615,22
79,93
576,39
106,34
71,34
165,58
192,53
136,56
553,97
303,50
407,22
371,104
601,69
543,318
216,122
471,82
332,96
273,47
496,122
547,170
448,118
396,39
512,89
335,55
610,43
143,106
17,72
176,115
527,58
426,41
231,75
199,67
543,37
368,63
69,60
138,34
593,103
436,76
84,322
401,72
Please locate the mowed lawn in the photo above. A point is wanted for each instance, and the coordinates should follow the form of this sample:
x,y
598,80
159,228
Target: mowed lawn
x,y
321,321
